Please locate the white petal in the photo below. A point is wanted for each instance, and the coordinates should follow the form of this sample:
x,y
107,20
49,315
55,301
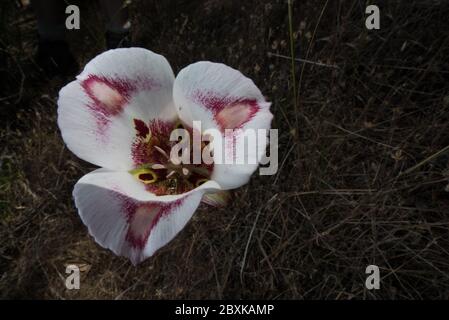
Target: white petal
x,y
96,112
221,97
130,221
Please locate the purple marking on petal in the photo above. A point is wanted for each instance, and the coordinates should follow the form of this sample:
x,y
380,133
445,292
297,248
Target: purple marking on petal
x,y
229,112
110,96
141,128
143,217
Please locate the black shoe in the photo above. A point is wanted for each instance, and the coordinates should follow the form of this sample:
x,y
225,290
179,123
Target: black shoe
x,y
55,58
118,40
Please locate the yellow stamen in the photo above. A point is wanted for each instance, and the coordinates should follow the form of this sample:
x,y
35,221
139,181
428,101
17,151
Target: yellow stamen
x,y
145,175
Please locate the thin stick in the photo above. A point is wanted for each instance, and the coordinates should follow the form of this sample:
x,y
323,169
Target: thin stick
x,y
360,136
251,235
292,53
433,156
320,64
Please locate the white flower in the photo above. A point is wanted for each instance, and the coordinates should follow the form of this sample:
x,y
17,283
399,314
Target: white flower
x,y
118,114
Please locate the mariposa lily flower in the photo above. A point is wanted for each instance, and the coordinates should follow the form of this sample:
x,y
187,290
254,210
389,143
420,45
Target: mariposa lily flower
x,y
118,114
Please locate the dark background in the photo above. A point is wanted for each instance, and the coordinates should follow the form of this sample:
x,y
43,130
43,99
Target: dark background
x,y
363,123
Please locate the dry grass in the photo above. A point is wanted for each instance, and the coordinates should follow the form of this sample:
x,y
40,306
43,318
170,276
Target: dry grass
x,y
358,183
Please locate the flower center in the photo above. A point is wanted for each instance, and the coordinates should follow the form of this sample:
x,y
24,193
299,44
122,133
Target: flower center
x,y
154,168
